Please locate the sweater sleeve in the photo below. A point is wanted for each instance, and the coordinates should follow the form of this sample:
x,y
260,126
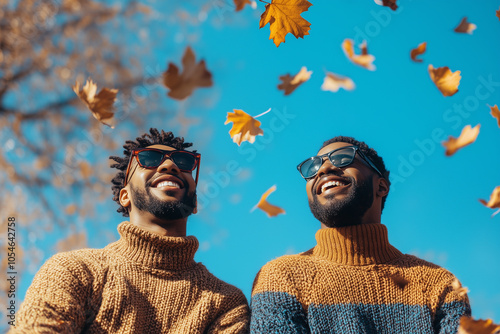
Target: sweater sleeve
x,y
234,317
275,304
55,301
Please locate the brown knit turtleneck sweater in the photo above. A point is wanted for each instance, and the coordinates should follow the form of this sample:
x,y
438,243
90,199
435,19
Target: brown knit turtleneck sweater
x,y
142,283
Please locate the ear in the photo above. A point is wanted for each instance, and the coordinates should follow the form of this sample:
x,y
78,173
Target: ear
x,y
195,210
383,187
124,197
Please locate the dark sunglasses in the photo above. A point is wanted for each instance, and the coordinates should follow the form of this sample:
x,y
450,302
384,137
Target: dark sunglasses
x,y
152,158
340,157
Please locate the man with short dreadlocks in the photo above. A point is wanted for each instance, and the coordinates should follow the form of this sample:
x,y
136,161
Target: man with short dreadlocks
x,y
147,281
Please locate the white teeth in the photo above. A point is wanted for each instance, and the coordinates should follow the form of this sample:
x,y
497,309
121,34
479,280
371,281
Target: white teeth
x,y
167,184
331,184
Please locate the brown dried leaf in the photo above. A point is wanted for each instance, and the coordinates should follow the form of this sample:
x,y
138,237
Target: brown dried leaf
x,y
467,137
471,326
334,82
498,14
445,80
245,127
387,3
284,17
101,105
496,113
457,287
270,209
465,27
364,59
240,4
420,49
494,202
290,83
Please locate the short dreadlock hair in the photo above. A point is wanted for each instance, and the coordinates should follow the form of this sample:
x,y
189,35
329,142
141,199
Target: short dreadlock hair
x,y
369,152
155,137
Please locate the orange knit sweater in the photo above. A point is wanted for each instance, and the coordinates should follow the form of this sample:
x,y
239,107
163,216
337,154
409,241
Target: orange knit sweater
x,y
142,283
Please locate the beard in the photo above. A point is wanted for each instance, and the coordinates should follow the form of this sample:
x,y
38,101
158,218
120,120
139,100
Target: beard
x,y
144,200
344,212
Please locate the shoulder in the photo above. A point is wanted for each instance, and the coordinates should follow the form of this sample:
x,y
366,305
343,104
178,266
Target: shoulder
x,y
218,287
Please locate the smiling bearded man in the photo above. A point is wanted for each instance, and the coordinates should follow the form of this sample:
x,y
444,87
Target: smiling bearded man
x,y
147,281
353,281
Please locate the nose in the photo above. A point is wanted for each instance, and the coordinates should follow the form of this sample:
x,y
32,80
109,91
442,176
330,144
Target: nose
x,y
168,166
328,168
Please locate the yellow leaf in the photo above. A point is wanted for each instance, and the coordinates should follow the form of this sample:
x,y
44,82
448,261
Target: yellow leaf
x,y
101,105
193,76
471,326
467,137
465,27
458,288
334,82
245,127
241,3
494,202
420,49
270,209
445,80
290,83
364,59
284,17
496,113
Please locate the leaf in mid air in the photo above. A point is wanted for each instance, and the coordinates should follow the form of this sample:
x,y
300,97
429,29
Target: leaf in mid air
x,y
445,80
284,17
240,4
495,113
494,202
420,49
387,3
471,326
458,288
467,137
290,83
334,82
498,14
101,105
245,127
270,209
364,59
465,27
194,75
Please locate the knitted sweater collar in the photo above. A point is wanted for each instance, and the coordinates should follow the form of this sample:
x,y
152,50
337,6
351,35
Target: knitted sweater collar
x,y
355,245
155,251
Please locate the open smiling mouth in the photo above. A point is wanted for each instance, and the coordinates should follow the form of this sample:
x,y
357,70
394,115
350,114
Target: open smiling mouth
x,y
169,184
331,185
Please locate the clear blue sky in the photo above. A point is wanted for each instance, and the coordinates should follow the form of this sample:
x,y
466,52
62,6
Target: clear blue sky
x,y
432,210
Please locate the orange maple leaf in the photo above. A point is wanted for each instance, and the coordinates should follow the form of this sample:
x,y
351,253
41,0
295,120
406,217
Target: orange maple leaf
x,y
498,14
334,82
467,137
290,83
471,326
445,80
465,27
284,17
364,59
495,113
193,76
494,202
270,209
420,49
245,127
101,105
241,3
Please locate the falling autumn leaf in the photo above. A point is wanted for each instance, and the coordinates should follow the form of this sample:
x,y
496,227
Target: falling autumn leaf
x,y
245,127
364,59
498,14
290,83
467,136
270,209
420,49
194,75
334,82
445,80
101,105
496,113
241,3
284,17
471,326
494,202
465,27
458,288
387,3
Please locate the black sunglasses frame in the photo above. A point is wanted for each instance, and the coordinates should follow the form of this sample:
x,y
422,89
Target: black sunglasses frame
x,y
330,154
165,155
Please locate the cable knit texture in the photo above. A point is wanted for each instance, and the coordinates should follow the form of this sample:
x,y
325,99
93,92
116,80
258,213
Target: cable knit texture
x,y
142,283
355,281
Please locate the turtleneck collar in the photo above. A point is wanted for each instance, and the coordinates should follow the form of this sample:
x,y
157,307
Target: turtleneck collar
x,y
357,245
155,251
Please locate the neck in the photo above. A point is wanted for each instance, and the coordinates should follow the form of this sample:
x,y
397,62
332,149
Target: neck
x,y
168,228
